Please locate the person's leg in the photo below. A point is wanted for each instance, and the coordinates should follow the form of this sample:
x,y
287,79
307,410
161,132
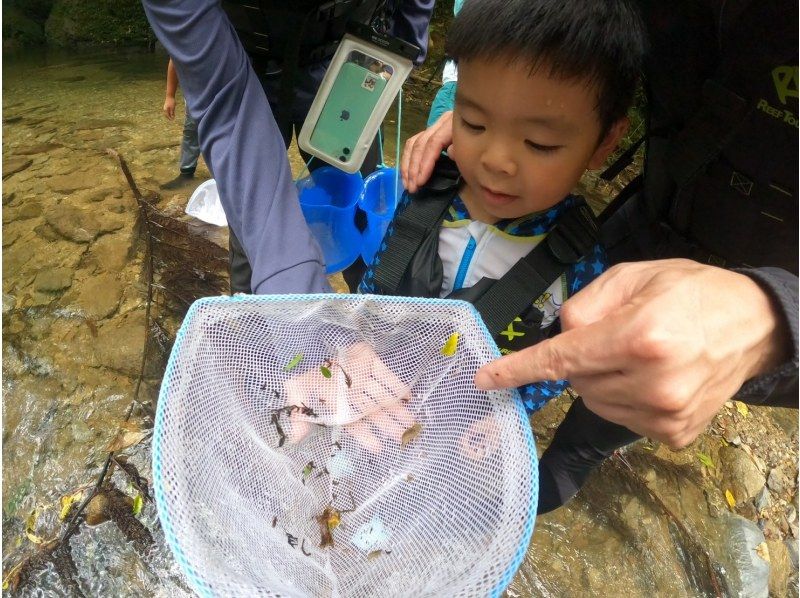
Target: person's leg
x,y
190,153
582,442
190,146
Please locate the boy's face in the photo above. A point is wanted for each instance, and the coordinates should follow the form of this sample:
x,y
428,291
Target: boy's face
x,y
522,140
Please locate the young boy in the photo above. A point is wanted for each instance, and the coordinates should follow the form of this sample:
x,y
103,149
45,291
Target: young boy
x,y
543,91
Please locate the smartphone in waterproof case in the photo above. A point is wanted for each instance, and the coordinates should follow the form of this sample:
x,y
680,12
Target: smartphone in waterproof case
x,y
348,108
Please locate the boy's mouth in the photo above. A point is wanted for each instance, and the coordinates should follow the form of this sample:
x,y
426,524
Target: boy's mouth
x,y
496,198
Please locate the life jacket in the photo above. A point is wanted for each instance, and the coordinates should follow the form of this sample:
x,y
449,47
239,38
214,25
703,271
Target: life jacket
x,y
720,175
408,262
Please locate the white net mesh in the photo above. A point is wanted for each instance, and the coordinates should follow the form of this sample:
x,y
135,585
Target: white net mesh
x,y
336,446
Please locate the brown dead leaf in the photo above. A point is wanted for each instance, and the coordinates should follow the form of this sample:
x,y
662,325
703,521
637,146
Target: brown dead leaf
x,y
410,434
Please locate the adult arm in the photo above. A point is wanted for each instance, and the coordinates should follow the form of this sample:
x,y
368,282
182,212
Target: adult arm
x,y
241,145
659,346
410,22
779,386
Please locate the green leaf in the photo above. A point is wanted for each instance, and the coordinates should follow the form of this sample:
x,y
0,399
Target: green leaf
x,y
293,363
325,371
138,503
705,460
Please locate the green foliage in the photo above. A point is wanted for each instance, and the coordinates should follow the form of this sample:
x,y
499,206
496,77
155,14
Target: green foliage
x,y
97,22
20,29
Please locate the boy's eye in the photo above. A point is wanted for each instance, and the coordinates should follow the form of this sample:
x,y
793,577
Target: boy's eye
x,y
541,148
472,127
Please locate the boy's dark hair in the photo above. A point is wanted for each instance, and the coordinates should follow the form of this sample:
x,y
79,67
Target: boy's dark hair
x,y
602,41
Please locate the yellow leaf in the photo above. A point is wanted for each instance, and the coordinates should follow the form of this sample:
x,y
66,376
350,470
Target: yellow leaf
x,y
138,503
742,408
730,498
67,502
449,348
30,526
125,440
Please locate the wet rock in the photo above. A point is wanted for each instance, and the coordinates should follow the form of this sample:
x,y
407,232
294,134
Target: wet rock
x,y
780,568
99,296
39,148
748,573
763,500
73,223
102,123
158,145
68,183
778,481
52,280
9,302
119,343
740,474
26,211
110,252
15,164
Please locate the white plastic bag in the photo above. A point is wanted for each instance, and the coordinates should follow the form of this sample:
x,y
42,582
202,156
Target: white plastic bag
x,y
205,205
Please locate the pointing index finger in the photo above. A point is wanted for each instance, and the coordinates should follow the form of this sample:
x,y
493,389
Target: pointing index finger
x,y
594,349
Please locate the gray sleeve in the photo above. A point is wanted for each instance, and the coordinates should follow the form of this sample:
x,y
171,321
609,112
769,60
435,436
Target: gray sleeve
x,y
241,145
779,387
411,21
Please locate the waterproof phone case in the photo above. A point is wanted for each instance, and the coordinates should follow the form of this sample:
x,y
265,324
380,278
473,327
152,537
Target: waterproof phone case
x,y
360,84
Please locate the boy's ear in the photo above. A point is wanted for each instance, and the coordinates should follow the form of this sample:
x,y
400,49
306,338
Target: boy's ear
x,y
609,143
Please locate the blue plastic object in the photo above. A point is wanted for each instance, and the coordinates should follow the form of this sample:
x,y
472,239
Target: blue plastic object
x,y
328,199
382,190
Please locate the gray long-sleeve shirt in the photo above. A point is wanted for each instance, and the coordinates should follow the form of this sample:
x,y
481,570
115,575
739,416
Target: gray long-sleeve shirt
x,y
241,142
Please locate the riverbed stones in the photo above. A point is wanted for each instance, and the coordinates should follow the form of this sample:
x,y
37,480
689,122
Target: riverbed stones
x,y
777,480
110,252
740,474
73,223
52,280
99,296
119,343
15,164
68,183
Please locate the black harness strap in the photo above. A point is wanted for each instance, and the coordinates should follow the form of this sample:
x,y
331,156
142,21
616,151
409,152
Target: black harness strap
x,y
414,224
570,240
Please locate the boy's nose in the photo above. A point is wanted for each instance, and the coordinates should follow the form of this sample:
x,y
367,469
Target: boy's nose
x,y
498,159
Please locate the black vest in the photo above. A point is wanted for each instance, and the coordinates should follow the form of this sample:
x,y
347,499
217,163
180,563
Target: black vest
x,y
720,176
408,263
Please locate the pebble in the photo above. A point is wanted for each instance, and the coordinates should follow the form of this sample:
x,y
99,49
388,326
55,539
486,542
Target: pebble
x,y
763,500
776,480
791,514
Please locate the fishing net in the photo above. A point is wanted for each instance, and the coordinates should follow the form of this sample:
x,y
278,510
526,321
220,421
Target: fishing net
x,y
335,445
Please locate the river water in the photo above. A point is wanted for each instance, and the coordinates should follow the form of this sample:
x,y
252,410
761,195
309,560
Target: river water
x,y
73,326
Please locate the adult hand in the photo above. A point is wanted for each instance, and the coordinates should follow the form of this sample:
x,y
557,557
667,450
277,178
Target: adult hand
x,y
656,346
423,149
169,107
362,395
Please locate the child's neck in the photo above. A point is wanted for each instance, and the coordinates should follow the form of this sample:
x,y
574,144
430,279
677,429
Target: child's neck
x,y
474,207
